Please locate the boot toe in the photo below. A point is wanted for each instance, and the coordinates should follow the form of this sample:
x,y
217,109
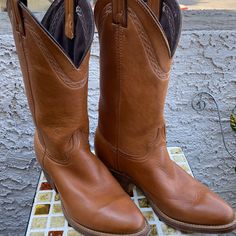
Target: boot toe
x,y
222,213
123,217
215,211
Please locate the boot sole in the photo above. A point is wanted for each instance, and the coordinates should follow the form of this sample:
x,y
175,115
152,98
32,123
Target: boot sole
x,y
89,232
127,183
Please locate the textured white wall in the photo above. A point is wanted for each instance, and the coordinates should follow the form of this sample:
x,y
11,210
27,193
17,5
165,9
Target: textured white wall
x,y
205,61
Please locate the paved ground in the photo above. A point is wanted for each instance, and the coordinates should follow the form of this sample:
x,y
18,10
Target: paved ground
x,y
190,4
209,4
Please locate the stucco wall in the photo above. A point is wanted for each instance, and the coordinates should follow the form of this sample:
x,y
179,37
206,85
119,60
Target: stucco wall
x,y
205,61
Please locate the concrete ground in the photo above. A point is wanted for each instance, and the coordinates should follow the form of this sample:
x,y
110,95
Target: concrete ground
x,y
209,4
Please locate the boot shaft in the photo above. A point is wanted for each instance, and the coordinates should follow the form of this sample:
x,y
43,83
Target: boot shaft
x,y
55,70
136,50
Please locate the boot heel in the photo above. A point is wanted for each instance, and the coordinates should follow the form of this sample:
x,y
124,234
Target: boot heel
x,y
50,181
124,182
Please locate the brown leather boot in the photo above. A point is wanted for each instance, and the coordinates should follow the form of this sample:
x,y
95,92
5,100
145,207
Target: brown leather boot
x,y
55,70
137,41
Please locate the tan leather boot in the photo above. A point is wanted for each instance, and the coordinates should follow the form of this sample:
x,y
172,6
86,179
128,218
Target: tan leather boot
x,y
138,39
55,71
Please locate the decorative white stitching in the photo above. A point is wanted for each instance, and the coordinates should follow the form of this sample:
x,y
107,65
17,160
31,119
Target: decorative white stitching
x,y
107,10
148,47
53,63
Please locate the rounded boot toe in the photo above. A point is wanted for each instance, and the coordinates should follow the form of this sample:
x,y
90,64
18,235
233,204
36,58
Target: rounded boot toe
x,y
123,217
216,211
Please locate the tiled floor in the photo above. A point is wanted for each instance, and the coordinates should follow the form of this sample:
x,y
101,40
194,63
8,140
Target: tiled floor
x,y
47,218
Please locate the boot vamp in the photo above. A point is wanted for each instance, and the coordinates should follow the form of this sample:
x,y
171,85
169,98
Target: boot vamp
x,y
90,196
174,192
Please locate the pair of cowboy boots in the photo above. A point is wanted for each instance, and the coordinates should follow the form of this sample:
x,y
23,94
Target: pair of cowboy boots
x,y
138,39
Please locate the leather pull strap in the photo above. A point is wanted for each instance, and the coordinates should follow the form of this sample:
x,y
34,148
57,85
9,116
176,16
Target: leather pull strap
x,y
155,5
119,12
17,16
69,18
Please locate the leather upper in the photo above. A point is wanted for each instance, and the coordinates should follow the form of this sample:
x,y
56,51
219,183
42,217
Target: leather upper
x,y
136,58
57,94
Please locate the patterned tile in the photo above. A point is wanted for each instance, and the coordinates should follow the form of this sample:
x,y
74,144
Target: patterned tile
x,y
47,218
42,209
